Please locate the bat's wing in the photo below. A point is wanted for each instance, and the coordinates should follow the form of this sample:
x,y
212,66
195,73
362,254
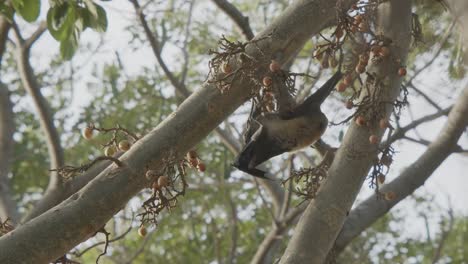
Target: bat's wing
x,y
260,148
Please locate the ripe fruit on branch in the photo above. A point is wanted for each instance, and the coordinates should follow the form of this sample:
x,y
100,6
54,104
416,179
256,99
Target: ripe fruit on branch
x,y
142,231
201,167
402,71
341,87
226,68
374,139
381,179
87,133
274,66
383,123
348,79
360,121
390,196
163,181
109,151
386,160
384,51
124,145
267,81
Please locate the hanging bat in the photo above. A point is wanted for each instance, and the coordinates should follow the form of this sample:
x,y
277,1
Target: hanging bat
x,y
276,133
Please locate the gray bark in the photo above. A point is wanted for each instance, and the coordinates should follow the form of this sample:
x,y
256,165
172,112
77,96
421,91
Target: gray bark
x,y
7,205
323,219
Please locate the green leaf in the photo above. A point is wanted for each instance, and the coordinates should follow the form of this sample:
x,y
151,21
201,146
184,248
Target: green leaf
x,y
60,21
28,9
70,45
91,8
99,22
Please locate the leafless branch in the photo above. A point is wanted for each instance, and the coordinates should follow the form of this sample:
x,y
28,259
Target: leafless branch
x,y
442,43
35,35
401,131
119,237
425,96
411,178
443,238
239,19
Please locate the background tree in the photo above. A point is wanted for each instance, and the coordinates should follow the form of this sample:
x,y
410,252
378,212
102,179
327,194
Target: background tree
x,y
57,77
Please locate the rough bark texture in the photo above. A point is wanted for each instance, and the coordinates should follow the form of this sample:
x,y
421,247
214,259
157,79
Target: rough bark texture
x,y
324,217
7,205
413,177
46,122
53,233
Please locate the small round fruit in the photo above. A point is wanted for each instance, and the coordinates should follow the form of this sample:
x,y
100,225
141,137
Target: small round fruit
x,y
383,123
274,66
341,87
227,68
155,185
381,178
386,160
142,231
267,81
192,154
364,57
374,139
151,174
124,145
360,121
358,19
201,167
163,181
384,51
348,79
87,133
349,104
193,162
390,196
109,151
402,71
376,49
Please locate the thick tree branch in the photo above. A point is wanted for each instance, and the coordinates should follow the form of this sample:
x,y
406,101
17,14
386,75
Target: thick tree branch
x,y
44,112
47,237
7,127
239,19
4,29
412,177
323,219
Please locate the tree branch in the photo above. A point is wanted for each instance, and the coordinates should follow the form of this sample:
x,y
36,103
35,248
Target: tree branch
x,y
7,127
46,237
45,114
239,19
411,178
324,217
401,131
